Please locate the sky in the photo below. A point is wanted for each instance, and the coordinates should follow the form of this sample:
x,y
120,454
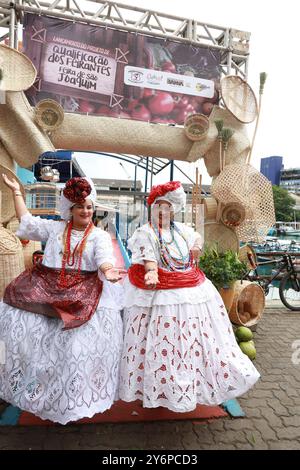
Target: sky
x,y
274,48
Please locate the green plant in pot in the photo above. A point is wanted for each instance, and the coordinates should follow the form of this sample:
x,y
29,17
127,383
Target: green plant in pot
x,y
222,269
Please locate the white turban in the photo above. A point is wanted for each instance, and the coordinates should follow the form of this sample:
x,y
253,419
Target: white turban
x,y
65,205
176,197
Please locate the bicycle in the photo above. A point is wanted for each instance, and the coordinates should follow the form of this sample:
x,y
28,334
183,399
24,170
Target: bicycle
x,y
286,272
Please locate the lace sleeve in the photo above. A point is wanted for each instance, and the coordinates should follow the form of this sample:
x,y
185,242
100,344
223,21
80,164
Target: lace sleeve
x,y
142,247
191,236
35,228
103,248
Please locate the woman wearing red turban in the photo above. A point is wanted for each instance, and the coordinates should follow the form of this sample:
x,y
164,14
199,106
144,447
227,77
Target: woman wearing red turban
x,y
179,347
60,320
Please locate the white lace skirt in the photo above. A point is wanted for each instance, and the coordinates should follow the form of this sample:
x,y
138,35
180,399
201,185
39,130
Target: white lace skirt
x,y
60,375
177,356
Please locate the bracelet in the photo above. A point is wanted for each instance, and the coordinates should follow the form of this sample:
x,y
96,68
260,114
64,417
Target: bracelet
x,y
151,269
18,193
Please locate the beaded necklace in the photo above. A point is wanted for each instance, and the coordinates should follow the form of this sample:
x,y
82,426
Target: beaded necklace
x,y
71,258
168,261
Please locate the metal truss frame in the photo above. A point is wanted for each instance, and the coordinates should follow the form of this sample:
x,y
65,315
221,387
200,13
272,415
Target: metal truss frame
x,y
233,44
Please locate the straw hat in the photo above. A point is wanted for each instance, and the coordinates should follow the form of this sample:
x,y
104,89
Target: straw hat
x,y
215,233
19,73
248,303
49,115
8,208
239,98
238,147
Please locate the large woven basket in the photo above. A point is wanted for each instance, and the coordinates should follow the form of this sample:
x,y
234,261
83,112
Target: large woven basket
x,y
248,303
224,238
11,257
244,185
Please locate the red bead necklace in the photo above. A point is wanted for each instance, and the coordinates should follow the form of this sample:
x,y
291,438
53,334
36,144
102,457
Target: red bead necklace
x,y
71,258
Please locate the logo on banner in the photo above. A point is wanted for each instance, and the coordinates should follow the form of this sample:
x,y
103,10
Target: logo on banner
x,y
135,76
167,81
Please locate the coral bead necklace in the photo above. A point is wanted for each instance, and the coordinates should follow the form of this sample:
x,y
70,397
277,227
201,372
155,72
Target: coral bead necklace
x,y
72,258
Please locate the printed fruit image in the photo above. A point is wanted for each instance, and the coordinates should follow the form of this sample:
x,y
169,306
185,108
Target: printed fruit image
x,y
249,349
243,333
86,107
141,113
168,67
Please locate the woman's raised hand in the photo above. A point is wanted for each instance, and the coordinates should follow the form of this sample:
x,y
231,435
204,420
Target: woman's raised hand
x,y
11,183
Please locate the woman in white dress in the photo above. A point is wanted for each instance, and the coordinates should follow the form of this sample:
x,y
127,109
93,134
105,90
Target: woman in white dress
x,y
60,320
179,348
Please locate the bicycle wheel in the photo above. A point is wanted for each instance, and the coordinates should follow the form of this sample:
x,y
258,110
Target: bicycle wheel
x,y
289,291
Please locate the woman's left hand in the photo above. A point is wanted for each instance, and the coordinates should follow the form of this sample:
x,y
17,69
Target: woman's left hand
x,y
114,274
196,252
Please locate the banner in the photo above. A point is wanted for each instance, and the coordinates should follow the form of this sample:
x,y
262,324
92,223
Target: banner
x,y
109,72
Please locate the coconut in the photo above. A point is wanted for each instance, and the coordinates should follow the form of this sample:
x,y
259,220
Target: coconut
x,y
249,349
243,333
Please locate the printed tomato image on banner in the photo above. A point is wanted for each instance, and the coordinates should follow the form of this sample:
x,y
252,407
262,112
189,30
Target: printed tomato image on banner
x,y
90,69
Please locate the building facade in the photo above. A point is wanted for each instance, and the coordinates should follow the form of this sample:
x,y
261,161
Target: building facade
x,y
271,167
290,180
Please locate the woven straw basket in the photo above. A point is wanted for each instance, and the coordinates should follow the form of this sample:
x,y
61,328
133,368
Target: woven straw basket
x,y
209,148
233,214
8,208
19,73
245,185
49,115
245,253
196,127
217,234
11,257
210,208
13,225
248,303
239,98
28,250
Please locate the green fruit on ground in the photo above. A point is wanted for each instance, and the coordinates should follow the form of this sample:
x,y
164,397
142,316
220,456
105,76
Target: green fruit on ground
x,y
248,349
243,333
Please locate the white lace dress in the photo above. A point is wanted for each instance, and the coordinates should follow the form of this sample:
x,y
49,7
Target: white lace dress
x,y
63,375
179,347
